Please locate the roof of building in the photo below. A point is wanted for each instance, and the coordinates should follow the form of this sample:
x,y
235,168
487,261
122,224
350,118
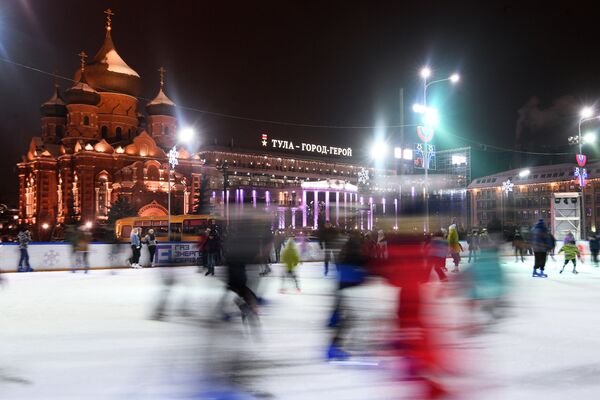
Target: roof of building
x,y
161,105
107,72
537,175
82,93
55,105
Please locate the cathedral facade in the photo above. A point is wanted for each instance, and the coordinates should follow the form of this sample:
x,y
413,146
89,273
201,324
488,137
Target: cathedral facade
x,y
95,146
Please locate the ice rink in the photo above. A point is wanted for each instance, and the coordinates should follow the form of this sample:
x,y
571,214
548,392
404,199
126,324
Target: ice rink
x,y
78,336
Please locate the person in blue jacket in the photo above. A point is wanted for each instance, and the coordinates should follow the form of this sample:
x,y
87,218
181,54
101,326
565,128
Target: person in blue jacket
x,y
541,244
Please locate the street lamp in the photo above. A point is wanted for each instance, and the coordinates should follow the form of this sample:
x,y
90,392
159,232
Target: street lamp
x,y
589,137
430,119
586,114
379,150
184,135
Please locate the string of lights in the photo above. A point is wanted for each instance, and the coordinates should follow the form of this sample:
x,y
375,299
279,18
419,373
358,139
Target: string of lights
x,y
481,146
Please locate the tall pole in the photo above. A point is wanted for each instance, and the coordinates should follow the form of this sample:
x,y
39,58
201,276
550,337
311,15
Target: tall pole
x,y
426,161
402,131
583,227
169,201
173,161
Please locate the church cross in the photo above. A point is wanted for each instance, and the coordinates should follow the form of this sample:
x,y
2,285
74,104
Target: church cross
x,y
162,71
109,14
82,57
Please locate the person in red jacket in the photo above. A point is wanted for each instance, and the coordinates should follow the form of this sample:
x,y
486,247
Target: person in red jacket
x,y
407,267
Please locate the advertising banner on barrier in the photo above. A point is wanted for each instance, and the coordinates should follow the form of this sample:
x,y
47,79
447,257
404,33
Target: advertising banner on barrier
x,y
59,256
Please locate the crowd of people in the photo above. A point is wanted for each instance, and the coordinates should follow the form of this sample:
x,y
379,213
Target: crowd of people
x,y
247,249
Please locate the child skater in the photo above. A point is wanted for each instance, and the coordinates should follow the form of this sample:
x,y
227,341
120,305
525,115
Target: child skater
x,y
571,253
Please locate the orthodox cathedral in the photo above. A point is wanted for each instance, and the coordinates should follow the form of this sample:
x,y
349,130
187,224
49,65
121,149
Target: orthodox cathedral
x,y
95,146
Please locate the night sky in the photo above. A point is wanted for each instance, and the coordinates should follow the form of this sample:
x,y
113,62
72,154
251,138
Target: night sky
x,y
526,68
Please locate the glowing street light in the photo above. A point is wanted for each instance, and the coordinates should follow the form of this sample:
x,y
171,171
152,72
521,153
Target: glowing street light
x,y
45,226
418,108
431,117
586,112
589,137
425,72
185,135
379,149
454,78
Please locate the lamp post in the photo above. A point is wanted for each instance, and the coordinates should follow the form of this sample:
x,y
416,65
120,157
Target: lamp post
x,y
185,135
430,118
584,115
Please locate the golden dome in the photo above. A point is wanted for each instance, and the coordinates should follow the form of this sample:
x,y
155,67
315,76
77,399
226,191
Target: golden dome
x,y
109,73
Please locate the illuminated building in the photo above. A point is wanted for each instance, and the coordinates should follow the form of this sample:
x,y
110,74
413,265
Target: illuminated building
x,y
95,147
531,196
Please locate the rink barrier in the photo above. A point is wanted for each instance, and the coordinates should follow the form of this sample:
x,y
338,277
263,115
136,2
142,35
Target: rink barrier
x,y
57,256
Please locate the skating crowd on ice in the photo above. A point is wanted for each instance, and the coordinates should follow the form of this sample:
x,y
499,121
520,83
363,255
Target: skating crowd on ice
x,y
247,251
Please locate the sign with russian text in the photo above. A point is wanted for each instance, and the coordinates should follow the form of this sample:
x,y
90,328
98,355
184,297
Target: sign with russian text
x,y
285,144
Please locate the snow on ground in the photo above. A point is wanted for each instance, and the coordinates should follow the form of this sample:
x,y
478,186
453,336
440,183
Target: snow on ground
x,y
78,336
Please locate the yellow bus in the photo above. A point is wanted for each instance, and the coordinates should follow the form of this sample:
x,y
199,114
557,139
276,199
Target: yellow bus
x,y
184,228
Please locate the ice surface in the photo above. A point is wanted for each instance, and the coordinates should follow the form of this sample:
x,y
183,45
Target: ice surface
x,y
77,336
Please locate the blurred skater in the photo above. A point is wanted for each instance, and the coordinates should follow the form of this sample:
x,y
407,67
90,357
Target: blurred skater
x,y
24,237
83,239
290,258
150,242
473,242
278,242
414,344
211,247
571,254
540,241
327,238
519,245
594,247
438,251
454,246
487,284
242,249
351,267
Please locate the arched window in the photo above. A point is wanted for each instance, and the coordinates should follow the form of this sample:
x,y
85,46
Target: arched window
x,y
129,133
166,130
86,120
153,173
104,132
102,196
59,131
119,133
